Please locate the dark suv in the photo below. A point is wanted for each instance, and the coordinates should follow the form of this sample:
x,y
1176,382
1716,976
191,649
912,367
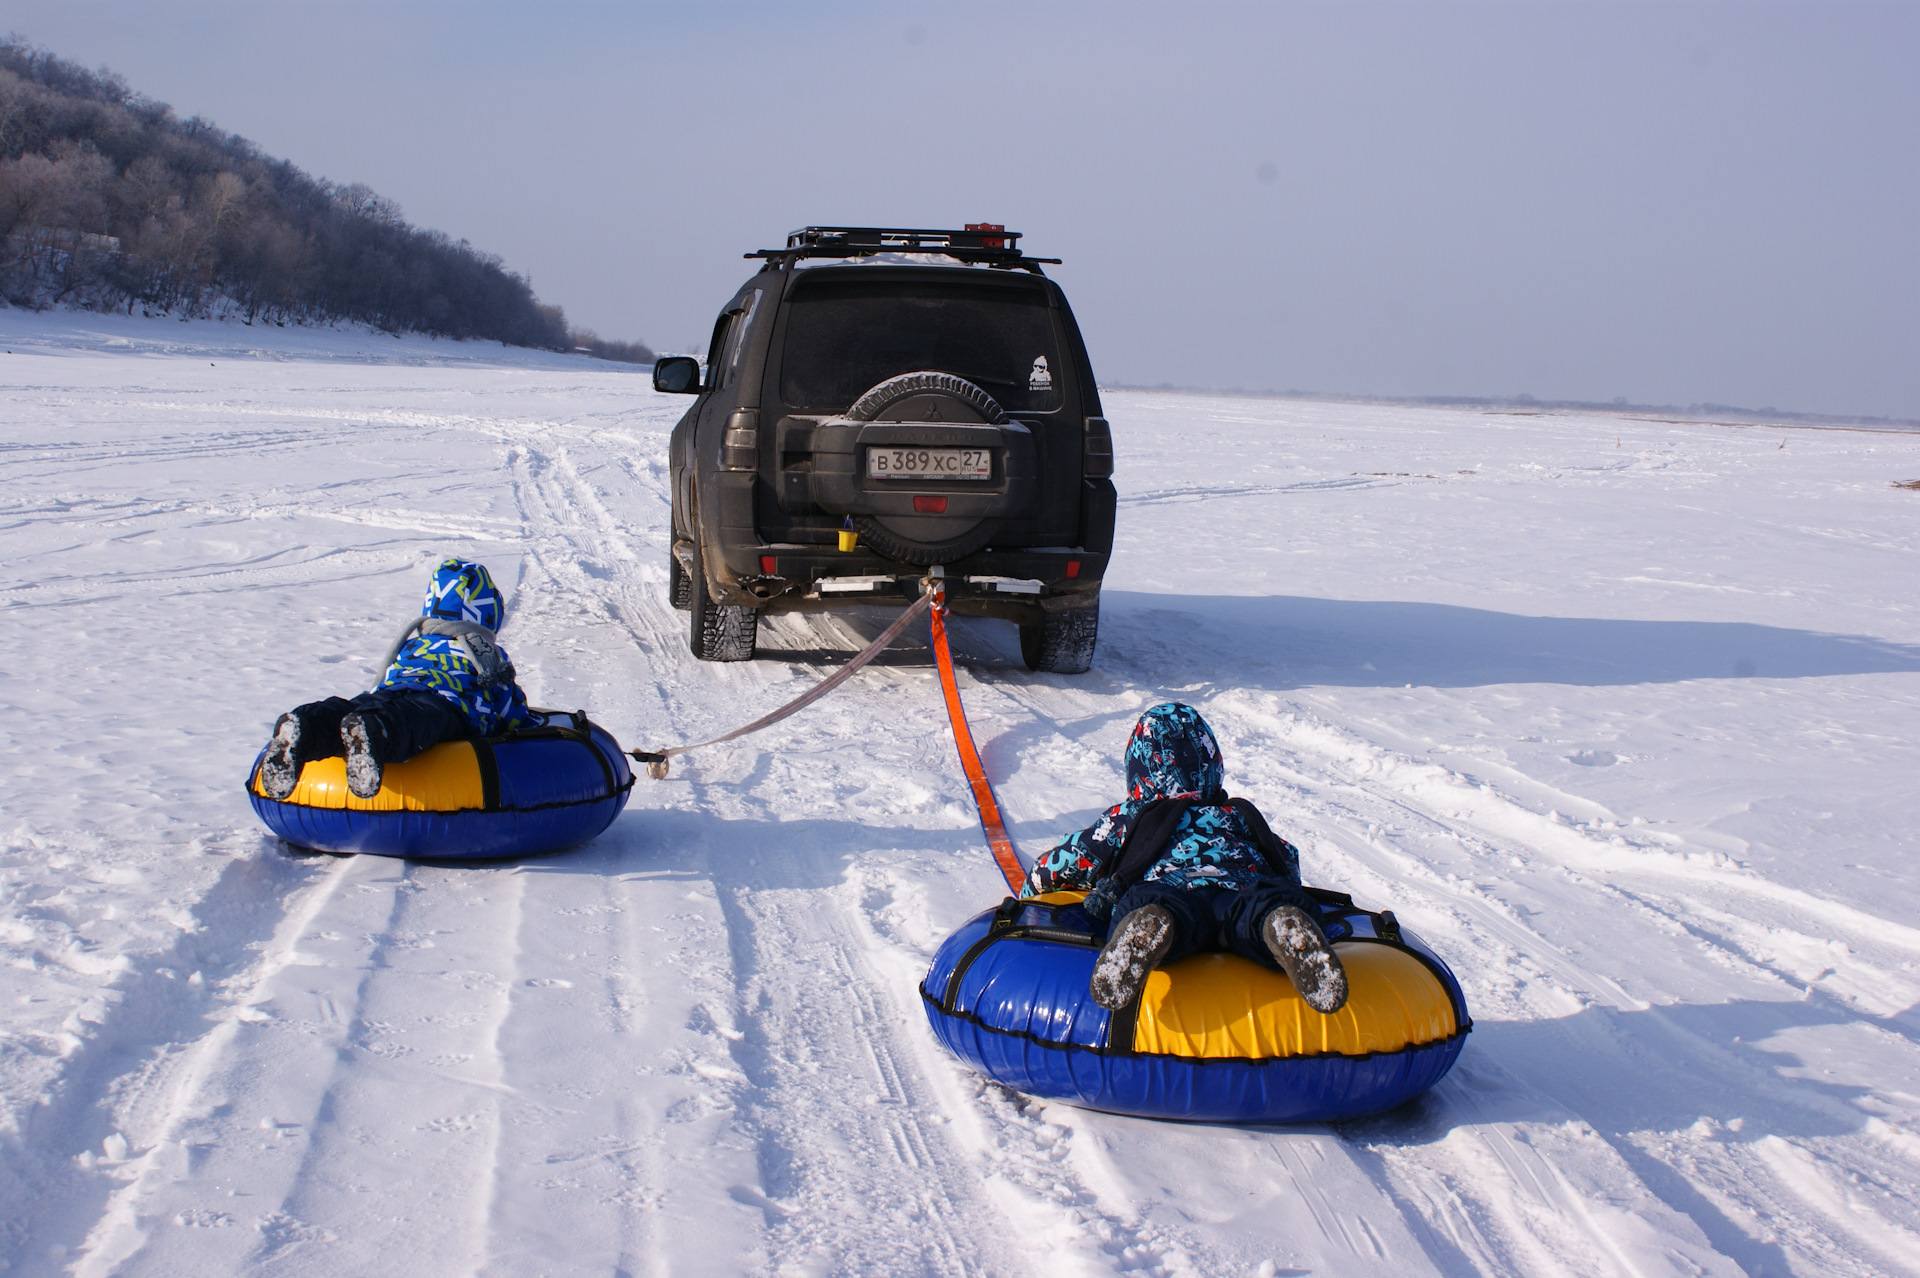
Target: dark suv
x,y
876,403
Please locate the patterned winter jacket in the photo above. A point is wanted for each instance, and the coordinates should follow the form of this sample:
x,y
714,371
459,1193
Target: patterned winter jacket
x,y
1172,755
472,672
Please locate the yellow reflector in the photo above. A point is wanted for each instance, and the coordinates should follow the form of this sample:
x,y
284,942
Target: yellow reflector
x,y
1221,1005
444,779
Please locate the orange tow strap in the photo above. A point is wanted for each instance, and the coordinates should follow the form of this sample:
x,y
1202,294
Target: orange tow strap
x,y
983,796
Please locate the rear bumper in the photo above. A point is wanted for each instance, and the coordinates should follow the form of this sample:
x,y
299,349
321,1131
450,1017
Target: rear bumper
x,y
1016,584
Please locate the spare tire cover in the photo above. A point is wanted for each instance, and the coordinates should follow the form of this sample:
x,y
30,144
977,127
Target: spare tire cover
x,y
913,397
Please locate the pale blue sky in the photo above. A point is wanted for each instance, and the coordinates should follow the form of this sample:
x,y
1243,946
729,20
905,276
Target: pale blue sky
x,y
1667,202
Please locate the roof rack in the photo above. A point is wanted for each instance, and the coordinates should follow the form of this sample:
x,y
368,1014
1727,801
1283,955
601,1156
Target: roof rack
x,y
982,242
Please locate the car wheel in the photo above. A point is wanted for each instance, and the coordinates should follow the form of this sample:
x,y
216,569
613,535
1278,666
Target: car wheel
x,y
679,585
1061,642
717,632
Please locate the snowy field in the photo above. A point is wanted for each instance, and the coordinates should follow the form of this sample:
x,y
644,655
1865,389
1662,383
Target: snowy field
x,y
1622,715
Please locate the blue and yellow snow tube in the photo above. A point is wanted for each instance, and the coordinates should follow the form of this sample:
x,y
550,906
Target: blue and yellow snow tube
x,y
1212,1038
536,790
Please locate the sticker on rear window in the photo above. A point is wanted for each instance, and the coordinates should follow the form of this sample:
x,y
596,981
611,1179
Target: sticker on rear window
x,y
1040,378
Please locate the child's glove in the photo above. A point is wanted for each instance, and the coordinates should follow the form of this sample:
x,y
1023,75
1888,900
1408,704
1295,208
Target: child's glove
x,y
1101,900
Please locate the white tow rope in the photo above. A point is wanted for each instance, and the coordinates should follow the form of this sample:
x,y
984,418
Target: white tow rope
x,y
656,760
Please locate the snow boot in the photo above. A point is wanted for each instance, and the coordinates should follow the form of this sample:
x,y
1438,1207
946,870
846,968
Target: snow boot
x,y
280,770
363,770
1310,963
1137,945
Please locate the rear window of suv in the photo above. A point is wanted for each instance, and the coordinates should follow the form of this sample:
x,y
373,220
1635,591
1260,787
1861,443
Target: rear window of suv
x,y
845,336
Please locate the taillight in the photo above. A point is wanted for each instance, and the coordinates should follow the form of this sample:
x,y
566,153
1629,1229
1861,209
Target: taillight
x,y
1097,459
930,505
767,564
740,446
1073,568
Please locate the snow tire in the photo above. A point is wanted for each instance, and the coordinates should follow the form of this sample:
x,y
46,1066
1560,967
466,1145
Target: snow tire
x,y
717,632
679,585
1061,642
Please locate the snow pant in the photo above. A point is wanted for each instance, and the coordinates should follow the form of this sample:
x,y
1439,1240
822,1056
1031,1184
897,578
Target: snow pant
x,y
1208,918
401,722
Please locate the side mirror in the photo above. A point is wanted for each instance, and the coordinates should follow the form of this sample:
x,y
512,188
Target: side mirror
x,y
677,375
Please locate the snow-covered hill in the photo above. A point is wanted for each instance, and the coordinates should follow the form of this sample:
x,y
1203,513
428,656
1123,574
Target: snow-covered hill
x,y
1621,715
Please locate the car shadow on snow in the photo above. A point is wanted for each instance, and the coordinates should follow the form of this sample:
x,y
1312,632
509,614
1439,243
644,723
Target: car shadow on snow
x,y
802,639
1282,641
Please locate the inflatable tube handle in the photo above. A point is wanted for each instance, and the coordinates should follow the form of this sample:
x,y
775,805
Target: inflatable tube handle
x,y
1003,928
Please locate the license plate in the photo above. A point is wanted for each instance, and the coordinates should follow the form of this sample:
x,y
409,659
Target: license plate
x,y
929,463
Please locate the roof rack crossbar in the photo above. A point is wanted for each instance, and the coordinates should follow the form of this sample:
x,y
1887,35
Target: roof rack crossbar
x,y
909,239
986,244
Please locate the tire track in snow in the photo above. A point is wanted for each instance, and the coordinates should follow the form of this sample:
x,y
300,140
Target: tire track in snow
x,y
1069,1174
285,1123
645,1150
109,1111
618,1071
857,1171
1109,1189
1524,1192
1166,496
71,459
1114,1194
625,1139
1497,834
1072,1175
577,549
826,1166
1655,1043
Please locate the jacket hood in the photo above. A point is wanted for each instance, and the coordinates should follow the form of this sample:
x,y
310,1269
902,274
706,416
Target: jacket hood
x,y
462,590
1172,752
